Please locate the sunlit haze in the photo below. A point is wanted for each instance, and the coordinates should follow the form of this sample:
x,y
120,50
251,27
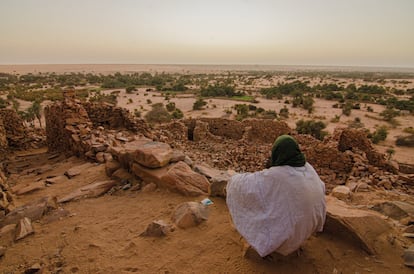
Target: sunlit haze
x,y
295,32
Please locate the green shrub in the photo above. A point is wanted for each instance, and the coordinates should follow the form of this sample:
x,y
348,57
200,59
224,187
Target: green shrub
x,y
177,114
407,141
158,114
170,106
380,134
199,103
311,127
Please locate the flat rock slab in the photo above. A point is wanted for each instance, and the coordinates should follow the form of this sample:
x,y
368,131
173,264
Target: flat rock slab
x,y
124,153
74,171
189,214
89,191
361,227
34,211
24,228
153,154
395,209
20,190
57,180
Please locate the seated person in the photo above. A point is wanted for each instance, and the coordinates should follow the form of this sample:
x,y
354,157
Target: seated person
x,y
277,209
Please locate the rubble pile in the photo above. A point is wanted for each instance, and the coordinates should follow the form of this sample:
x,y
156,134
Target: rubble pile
x,y
112,117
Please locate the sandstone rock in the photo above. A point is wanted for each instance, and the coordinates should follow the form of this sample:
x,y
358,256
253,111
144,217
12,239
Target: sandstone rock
x,y
56,215
74,171
121,175
153,154
395,209
111,167
341,192
7,234
365,229
57,180
149,187
181,178
20,190
409,256
34,211
177,155
157,229
188,161
89,191
189,214
2,251
218,179
107,157
100,157
149,175
124,153
35,268
24,228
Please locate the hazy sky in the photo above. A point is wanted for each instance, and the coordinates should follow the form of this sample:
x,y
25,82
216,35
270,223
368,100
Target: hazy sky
x,y
280,32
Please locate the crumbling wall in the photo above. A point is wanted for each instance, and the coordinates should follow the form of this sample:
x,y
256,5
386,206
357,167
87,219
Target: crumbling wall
x,y
6,199
67,127
16,134
3,139
265,131
253,130
113,117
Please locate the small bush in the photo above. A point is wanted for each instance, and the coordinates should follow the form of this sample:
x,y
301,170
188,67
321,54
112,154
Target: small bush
x,y
198,104
158,114
311,127
379,134
170,106
407,141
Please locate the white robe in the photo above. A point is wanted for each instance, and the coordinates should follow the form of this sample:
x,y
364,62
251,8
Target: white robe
x,y
277,209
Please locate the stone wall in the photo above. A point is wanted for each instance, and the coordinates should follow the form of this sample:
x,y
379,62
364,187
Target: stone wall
x,y
253,130
3,138
67,127
6,199
16,133
111,117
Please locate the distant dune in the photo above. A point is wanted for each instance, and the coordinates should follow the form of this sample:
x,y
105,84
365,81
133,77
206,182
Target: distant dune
x,y
130,68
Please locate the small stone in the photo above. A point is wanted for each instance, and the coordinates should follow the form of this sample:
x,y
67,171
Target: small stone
x,y
190,214
35,268
341,192
149,187
2,250
409,256
100,157
157,229
24,229
111,167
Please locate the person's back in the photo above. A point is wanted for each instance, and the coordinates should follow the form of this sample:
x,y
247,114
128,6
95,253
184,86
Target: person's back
x,y
277,209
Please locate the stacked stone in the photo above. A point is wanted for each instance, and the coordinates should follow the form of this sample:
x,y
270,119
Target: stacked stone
x,y
15,130
3,138
230,129
265,131
354,139
68,127
6,199
112,117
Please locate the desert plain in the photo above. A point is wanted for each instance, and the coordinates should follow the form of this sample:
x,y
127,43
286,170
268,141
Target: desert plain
x,y
102,234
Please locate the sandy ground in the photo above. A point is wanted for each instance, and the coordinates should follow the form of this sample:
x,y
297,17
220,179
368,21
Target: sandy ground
x,y
101,235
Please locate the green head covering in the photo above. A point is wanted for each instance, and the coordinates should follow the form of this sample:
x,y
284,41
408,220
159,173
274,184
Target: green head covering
x,y
285,151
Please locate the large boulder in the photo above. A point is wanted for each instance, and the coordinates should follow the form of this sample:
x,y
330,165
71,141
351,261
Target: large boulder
x,y
183,179
368,230
218,178
125,153
395,209
153,154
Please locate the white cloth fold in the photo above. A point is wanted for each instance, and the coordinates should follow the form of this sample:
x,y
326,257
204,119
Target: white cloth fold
x,y
277,209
